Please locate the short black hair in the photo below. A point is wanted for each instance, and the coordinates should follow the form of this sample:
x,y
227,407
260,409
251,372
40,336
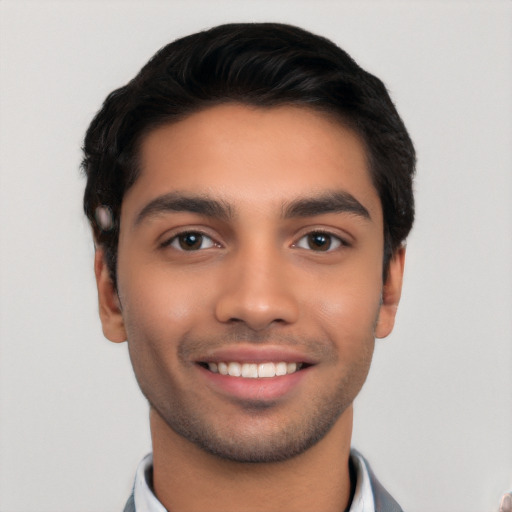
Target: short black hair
x,y
257,64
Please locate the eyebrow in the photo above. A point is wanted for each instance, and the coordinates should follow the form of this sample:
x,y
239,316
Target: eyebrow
x,y
331,202
178,202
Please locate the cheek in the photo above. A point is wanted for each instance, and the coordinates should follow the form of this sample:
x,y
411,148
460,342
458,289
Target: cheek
x,y
348,308
158,311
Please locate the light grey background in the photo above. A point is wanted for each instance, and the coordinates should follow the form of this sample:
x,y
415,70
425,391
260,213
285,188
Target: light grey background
x,y
435,418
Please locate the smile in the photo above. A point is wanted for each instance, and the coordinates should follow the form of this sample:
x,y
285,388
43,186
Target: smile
x,y
253,370
255,375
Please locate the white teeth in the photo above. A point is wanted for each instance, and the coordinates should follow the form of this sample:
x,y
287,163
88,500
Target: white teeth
x,y
266,370
253,370
250,370
281,369
234,369
291,367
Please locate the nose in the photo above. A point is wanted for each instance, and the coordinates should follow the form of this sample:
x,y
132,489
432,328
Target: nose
x,y
257,290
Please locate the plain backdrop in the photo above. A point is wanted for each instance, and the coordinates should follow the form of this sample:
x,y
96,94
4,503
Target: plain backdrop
x,y
435,417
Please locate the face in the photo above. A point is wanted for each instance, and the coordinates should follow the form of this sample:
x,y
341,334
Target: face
x,y
250,278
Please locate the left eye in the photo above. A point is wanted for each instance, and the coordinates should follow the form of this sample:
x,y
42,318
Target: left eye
x,y
191,241
319,241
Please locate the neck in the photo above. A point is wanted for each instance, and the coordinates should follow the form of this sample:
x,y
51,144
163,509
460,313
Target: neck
x,y
188,479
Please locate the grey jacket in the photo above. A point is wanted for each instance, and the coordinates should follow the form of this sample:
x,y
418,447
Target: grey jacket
x,y
383,500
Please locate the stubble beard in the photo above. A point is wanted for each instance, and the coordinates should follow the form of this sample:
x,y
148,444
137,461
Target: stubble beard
x,y
272,442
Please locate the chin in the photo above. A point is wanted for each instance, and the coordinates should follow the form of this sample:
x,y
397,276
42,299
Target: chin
x,y
259,440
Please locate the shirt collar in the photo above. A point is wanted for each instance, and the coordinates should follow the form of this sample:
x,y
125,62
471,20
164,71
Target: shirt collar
x,y
143,496
363,495
146,501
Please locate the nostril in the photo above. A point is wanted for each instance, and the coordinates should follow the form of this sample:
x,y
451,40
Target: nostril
x,y
256,308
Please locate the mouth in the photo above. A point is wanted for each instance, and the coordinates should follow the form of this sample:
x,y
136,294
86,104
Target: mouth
x,y
249,374
262,370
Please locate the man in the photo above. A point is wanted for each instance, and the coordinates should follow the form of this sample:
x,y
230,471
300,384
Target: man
x,y
250,191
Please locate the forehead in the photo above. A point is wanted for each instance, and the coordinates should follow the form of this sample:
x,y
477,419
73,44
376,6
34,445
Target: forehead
x,y
253,156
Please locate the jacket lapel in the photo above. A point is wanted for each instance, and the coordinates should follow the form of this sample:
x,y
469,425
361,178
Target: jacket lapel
x,y
130,504
383,500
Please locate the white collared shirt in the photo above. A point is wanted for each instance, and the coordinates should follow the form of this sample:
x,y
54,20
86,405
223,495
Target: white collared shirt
x,y
146,501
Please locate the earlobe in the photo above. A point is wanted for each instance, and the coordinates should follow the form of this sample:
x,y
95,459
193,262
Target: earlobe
x,y
109,306
391,292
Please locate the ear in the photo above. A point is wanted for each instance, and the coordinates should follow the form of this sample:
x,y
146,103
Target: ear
x,y
109,305
391,292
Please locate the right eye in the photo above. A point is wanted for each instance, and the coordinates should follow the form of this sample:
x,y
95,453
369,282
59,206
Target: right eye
x,y
190,241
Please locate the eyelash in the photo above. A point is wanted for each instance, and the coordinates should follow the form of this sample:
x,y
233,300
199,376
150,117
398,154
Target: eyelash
x,y
176,240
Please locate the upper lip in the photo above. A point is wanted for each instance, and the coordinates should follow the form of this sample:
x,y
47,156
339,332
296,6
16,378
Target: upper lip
x,y
256,354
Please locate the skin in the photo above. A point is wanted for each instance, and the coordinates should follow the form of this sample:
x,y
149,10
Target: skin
x,y
260,279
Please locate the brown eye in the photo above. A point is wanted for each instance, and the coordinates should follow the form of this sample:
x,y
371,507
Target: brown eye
x,y
319,241
191,241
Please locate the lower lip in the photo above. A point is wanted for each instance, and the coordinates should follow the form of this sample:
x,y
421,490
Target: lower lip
x,y
257,390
